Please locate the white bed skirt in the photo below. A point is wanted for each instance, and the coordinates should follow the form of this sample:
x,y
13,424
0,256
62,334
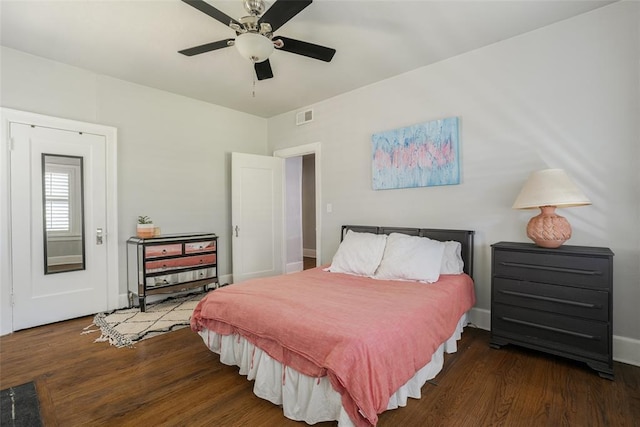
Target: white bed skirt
x,y
305,398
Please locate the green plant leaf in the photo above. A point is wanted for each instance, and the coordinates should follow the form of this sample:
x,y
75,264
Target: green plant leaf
x,y
143,219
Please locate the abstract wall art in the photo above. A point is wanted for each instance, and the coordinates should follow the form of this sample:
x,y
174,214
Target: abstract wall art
x,y
421,155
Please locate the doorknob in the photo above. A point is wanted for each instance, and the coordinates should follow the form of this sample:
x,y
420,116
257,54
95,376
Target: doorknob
x,y
236,230
98,236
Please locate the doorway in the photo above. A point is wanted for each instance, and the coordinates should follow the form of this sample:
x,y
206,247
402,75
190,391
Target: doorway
x,y
309,257
307,240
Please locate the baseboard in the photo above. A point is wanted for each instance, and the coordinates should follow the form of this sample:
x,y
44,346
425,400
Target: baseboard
x,y
294,267
480,318
625,350
226,279
309,253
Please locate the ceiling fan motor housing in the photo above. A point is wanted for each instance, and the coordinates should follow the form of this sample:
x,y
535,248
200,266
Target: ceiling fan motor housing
x,y
254,7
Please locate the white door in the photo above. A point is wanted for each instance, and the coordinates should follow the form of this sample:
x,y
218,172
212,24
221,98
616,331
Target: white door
x,y
256,215
58,200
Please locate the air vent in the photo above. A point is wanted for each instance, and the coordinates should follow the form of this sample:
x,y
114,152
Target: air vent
x,y
304,117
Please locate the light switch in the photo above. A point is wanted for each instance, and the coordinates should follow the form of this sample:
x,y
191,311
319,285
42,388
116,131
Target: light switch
x,y
329,208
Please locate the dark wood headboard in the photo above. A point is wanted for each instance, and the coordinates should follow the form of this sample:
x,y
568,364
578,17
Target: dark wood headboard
x,y
465,237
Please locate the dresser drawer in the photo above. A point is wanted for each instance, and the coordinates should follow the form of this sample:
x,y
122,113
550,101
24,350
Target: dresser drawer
x,y
155,251
567,334
165,280
561,269
199,247
204,273
585,303
177,263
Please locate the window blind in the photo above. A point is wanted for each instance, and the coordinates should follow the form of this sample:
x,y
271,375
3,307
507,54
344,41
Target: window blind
x,y
57,212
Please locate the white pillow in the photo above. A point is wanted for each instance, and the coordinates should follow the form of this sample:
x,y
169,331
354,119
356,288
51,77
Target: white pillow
x,y
452,258
411,258
359,254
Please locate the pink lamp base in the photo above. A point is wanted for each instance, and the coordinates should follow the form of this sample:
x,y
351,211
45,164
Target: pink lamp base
x,y
548,230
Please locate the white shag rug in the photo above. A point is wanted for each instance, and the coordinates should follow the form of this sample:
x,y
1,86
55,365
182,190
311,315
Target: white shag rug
x,y
122,328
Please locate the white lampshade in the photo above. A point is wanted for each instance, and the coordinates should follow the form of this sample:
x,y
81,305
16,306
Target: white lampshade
x,y
254,47
549,187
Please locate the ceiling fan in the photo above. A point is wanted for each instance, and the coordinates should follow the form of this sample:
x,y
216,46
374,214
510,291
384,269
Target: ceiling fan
x,y
254,33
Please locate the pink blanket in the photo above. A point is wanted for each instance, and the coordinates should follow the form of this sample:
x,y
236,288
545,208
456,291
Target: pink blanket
x,y
369,336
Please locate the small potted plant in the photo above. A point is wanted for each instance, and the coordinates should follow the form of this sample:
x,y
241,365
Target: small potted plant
x,y
145,227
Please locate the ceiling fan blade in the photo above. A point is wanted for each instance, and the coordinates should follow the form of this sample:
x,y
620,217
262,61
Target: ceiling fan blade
x,y
281,11
306,49
263,70
208,47
204,7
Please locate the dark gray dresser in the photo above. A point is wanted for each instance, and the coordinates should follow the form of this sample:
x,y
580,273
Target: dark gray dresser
x,y
554,300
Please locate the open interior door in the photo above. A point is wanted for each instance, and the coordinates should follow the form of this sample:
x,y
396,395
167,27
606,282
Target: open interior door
x,y
256,216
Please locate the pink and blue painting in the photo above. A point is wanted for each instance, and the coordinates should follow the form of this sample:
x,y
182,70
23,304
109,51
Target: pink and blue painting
x,y
422,155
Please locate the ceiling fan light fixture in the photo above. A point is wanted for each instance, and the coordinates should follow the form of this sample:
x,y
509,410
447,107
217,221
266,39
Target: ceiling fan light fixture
x,y
254,47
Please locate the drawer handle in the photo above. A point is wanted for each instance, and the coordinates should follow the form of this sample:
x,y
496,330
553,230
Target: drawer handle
x,y
164,251
557,269
550,328
551,299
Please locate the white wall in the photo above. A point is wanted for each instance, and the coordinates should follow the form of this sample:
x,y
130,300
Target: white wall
x,y
563,96
173,151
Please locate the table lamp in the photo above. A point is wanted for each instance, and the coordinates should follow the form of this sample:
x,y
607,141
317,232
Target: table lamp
x,y
549,189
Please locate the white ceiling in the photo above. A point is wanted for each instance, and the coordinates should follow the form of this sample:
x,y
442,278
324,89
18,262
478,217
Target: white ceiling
x,y
138,40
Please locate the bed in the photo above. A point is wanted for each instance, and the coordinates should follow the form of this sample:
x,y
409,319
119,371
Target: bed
x,y
347,341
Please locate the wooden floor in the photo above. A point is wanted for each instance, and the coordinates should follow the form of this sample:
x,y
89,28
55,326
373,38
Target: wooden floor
x,y
173,380
308,263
